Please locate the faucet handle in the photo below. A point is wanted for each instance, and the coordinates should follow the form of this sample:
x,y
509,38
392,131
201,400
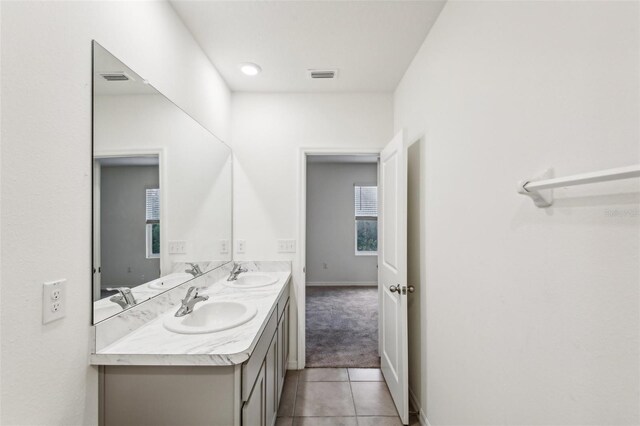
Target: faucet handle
x,y
187,297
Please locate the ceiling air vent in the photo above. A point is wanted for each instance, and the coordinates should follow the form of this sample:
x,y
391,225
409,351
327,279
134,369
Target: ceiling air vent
x,y
323,74
116,76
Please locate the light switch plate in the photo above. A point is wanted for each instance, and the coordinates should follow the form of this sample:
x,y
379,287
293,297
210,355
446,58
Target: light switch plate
x,y
224,246
240,246
177,247
54,295
286,246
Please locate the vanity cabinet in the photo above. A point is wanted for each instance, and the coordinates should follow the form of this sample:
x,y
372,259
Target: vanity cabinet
x,y
247,394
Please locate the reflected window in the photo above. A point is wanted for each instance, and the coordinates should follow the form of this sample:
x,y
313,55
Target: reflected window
x,y
366,215
153,222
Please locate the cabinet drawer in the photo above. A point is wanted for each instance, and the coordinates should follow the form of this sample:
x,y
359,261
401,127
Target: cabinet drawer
x,y
251,368
284,298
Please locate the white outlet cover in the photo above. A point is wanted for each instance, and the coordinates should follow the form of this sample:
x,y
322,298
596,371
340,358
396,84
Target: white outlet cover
x,y
240,246
53,300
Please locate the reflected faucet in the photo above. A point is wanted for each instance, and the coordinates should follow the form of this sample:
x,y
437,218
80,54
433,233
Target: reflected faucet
x,y
124,298
195,269
189,302
237,270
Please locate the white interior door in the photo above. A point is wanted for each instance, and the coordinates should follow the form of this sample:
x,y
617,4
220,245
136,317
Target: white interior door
x,y
392,272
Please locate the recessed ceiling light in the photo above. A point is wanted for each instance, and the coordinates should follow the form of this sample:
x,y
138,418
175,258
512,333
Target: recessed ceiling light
x,y
249,68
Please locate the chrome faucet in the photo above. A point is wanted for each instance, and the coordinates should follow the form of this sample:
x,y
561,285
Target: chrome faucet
x,y
237,270
189,302
124,298
195,269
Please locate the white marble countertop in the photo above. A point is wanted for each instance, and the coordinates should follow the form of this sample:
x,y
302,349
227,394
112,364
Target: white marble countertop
x,y
152,344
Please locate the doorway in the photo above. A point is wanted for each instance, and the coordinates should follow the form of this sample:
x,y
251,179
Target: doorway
x,y
341,304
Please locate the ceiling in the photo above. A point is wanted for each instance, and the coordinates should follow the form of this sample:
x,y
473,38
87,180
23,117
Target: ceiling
x,y
105,63
370,43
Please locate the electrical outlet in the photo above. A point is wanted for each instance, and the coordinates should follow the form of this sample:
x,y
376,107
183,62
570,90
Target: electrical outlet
x,y
53,300
240,246
177,247
224,246
286,246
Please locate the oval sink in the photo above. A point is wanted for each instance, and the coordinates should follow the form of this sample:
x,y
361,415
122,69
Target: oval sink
x,y
211,316
169,281
251,281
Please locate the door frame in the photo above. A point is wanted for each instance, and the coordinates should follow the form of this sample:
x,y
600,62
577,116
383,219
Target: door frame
x,y
299,271
95,206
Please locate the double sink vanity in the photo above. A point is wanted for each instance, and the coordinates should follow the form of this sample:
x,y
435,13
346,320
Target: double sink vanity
x,y
222,364
183,335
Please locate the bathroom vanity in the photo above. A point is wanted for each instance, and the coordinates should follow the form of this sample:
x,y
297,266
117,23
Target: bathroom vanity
x,y
233,377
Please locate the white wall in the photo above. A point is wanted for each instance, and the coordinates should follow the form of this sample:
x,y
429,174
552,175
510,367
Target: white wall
x,y
46,164
531,314
331,234
268,131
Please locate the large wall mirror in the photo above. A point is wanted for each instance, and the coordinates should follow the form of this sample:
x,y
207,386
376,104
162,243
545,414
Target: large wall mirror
x,y
161,191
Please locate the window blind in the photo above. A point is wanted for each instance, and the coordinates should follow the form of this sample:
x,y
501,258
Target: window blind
x,y
366,201
153,205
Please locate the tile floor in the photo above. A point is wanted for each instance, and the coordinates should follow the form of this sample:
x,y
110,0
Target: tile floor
x,y
337,397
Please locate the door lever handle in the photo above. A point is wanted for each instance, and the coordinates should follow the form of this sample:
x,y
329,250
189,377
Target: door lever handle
x,y
394,288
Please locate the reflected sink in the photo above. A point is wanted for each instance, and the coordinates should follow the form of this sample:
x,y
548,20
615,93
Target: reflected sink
x,y
169,281
211,316
251,280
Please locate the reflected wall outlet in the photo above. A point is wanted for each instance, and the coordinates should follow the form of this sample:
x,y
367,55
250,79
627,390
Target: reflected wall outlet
x,y
53,300
224,246
286,246
240,246
177,247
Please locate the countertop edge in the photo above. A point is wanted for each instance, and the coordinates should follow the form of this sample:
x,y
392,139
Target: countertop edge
x,y
221,360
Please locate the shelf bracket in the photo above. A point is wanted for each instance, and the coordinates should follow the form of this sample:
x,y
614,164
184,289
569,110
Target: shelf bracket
x,y
541,198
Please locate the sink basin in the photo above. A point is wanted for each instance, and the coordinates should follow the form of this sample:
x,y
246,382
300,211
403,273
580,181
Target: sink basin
x,y
251,280
211,316
169,281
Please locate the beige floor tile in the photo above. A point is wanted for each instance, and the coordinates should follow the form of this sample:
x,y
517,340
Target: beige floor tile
x,y
325,421
324,399
379,421
365,375
284,421
288,399
324,375
373,399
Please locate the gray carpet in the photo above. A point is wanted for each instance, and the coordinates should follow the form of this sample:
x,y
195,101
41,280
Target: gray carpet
x,y
342,327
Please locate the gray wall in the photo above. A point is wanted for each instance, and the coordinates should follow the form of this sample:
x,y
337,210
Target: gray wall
x,y
122,225
331,224
415,236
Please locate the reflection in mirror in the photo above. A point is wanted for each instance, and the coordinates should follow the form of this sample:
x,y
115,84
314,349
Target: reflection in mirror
x,y
161,191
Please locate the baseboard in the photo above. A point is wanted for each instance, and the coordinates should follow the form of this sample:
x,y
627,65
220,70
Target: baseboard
x,y
422,417
292,365
343,284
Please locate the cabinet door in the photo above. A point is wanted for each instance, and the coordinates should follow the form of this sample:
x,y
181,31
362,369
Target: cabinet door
x,y
272,380
254,409
283,347
280,356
